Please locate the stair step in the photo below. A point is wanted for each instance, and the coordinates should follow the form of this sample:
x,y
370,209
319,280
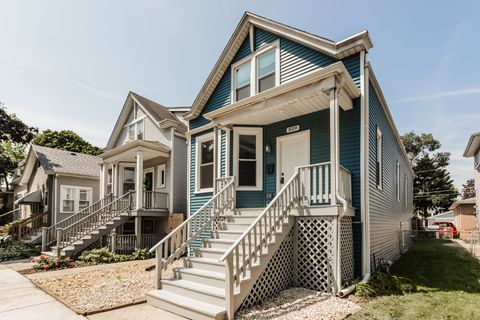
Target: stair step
x,y
241,218
210,253
205,264
226,234
184,306
218,243
216,279
234,226
194,290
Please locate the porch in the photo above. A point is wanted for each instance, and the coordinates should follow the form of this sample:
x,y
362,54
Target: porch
x,y
138,167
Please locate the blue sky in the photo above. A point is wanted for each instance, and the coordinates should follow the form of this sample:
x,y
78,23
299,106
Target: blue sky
x,y
70,64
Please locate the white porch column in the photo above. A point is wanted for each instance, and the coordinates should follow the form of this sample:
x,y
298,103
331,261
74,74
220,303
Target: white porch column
x,y
102,181
333,145
138,232
115,179
139,180
215,159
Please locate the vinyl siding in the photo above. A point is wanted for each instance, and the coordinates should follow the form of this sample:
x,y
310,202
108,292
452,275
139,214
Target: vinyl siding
x,y
179,191
386,213
77,182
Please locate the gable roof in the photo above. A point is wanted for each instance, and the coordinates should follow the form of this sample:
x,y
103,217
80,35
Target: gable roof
x,y
462,201
338,50
473,145
154,110
55,161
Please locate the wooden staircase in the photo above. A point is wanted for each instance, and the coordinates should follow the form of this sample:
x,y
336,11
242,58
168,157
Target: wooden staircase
x,y
74,234
218,275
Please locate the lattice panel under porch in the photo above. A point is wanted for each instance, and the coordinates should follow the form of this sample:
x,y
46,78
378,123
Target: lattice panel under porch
x,y
277,276
346,249
316,253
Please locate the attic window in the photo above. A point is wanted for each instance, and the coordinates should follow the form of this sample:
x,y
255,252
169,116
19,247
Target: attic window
x,y
256,73
136,131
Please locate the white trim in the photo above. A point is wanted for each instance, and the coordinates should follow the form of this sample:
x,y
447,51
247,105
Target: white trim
x,y
198,141
121,175
379,159
397,180
134,121
76,196
366,260
159,177
227,151
258,133
279,140
253,60
405,181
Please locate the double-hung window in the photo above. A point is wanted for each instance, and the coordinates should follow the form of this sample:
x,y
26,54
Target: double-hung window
x,y
161,176
204,155
128,179
378,163
256,73
136,130
248,158
74,198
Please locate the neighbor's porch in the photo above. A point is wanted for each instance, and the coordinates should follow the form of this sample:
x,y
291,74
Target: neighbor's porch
x,y
138,167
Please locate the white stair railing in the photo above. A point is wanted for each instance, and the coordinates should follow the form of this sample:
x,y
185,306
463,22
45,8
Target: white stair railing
x,y
246,250
93,221
49,235
315,183
175,244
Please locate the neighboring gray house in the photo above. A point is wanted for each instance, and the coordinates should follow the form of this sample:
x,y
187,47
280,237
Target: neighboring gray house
x,y
53,184
473,150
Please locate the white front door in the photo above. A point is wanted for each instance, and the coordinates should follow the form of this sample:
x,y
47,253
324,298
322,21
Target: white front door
x,y
293,150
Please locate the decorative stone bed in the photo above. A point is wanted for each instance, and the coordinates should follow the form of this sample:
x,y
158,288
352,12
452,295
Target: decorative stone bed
x,y
88,291
300,303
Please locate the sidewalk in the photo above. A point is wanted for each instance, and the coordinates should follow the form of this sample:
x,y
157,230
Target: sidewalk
x,y
468,247
20,299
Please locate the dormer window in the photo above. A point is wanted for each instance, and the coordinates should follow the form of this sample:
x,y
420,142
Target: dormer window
x,y
256,73
136,131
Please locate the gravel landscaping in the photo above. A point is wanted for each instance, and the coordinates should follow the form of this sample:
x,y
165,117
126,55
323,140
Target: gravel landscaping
x,y
106,288
300,303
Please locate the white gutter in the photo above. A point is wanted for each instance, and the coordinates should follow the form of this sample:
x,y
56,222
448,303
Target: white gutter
x,y
345,292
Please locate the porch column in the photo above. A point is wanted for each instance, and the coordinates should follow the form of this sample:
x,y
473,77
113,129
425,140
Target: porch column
x,y
138,232
114,180
333,145
139,180
102,180
215,159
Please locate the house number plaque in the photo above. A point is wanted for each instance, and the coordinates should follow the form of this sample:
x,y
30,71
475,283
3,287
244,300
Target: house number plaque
x,y
292,129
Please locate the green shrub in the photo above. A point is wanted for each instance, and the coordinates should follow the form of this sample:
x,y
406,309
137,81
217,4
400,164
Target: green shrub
x,y
365,290
103,255
12,251
51,263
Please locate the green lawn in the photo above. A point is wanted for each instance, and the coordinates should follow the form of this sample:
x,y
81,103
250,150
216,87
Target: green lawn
x,y
448,280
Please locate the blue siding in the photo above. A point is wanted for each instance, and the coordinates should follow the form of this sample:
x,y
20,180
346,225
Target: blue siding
x,y
263,37
297,60
386,212
352,64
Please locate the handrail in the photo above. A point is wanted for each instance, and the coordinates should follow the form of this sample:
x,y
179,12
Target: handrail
x,y
94,220
49,234
259,218
9,212
176,242
35,220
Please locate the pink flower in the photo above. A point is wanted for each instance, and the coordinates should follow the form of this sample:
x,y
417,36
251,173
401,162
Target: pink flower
x,y
42,257
57,259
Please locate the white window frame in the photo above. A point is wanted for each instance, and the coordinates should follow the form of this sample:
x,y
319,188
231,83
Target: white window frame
x,y
198,141
397,175
161,168
121,178
258,133
378,158
253,58
135,123
76,196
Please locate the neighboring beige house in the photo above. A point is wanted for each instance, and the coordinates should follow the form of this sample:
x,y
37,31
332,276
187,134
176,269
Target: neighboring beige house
x,y
465,219
53,184
473,150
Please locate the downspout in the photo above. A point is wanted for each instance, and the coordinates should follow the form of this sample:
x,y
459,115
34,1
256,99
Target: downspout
x,y
345,292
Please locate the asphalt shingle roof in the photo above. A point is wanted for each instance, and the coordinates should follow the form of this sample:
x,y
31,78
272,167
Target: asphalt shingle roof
x,y
61,161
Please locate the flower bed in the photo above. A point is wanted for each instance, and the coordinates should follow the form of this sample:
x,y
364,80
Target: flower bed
x,y
50,263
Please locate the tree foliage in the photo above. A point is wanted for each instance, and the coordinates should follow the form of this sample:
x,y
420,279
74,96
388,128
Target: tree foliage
x,y
14,137
65,140
433,188
468,189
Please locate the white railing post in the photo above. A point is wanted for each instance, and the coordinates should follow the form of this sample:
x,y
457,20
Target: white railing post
x,y
114,242
59,242
158,266
44,238
229,294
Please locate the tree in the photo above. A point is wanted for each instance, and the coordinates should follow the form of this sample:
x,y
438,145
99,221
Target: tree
x,y
468,189
65,140
433,188
14,137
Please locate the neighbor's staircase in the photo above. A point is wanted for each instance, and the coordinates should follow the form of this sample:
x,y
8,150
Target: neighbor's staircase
x,y
219,274
77,232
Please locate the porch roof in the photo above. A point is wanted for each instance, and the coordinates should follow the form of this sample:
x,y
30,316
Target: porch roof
x,y
128,151
295,98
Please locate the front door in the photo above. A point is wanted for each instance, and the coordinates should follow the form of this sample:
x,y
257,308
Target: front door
x,y
293,150
148,187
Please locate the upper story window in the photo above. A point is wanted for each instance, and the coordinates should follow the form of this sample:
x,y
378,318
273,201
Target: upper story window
x,y
204,163
256,73
378,162
136,131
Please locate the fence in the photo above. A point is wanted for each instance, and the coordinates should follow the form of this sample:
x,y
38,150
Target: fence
x,y
126,243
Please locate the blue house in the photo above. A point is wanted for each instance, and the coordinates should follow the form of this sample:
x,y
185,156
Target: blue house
x,y
298,176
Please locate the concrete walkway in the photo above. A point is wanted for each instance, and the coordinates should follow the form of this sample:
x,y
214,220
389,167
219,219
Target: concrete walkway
x,y
20,299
